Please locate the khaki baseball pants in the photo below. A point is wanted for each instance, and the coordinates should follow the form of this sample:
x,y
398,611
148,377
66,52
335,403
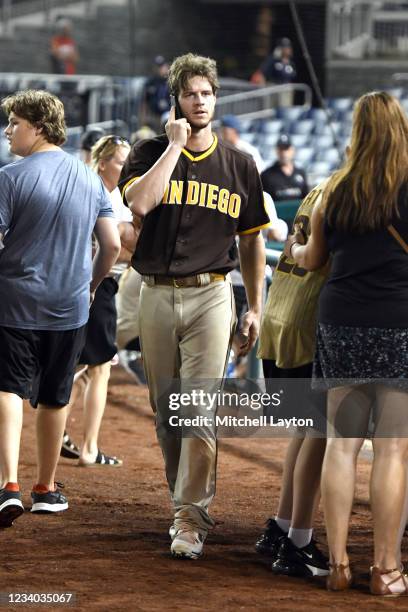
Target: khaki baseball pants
x,y
127,306
185,335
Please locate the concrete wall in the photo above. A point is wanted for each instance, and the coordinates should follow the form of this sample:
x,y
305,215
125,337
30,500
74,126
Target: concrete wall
x,y
120,41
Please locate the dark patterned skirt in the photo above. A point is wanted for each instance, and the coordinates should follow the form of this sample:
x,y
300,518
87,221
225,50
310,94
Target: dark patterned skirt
x,y
360,355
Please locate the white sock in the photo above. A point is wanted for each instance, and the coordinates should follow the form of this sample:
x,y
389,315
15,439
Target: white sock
x,y
300,537
284,524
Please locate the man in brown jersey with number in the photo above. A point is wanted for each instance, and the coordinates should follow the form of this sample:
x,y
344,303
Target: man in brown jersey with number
x,y
195,195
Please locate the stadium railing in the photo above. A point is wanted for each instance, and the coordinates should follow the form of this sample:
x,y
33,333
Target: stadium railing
x,y
87,98
260,102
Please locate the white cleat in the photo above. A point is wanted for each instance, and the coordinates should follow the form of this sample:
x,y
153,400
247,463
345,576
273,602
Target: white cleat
x,y
187,545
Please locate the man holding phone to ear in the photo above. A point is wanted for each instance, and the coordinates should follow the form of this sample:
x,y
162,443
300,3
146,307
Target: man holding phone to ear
x,y
194,194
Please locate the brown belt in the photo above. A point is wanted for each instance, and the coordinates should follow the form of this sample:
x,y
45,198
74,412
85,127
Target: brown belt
x,y
198,280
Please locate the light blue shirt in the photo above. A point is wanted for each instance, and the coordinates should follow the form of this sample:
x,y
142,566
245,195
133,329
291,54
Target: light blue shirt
x,y
49,204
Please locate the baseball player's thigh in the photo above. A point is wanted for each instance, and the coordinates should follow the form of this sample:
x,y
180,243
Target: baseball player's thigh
x,y
127,303
209,322
158,339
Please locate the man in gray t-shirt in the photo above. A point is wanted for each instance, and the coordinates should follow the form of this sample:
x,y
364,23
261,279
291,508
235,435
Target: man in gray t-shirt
x,y
50,203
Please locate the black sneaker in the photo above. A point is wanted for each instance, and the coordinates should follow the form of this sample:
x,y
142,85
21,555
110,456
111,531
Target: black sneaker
x,y
131,361
48,501
269,542
69,450
136,368
293,561
10,507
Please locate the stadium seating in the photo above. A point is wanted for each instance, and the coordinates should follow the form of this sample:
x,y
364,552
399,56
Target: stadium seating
x,y
304,155
319,146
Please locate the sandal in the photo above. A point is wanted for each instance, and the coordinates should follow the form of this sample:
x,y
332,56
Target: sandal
x,y
69,449
378,586
101,460
339,578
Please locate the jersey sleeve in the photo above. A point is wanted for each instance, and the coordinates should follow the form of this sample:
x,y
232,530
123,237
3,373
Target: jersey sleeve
x,y
139,161
7,200
254,216
105,203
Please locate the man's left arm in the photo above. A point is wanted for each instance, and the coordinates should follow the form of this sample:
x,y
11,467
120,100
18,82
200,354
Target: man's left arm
x,y
7,198
252,260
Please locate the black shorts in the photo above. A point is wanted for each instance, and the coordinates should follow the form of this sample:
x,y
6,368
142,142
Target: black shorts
x,y
39,365
100,343
300,398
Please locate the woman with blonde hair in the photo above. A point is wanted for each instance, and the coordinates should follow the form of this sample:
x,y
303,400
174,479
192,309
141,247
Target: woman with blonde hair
x,y
107,158
362,337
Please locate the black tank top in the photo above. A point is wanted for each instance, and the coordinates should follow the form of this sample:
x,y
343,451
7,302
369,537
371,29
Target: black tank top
x,y
368,281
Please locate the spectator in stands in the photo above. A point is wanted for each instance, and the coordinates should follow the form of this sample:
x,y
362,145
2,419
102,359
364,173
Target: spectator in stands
x,y
63,50
156,95
88,140
283,180
230,132
278,67
108,157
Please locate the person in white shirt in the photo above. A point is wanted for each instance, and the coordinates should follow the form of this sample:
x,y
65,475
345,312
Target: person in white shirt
x,y
230,130
108,156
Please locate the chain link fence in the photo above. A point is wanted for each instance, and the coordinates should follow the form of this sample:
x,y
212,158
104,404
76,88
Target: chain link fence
x,y
363,29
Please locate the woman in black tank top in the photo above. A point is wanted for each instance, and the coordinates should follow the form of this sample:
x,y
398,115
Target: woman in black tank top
x,y
362,337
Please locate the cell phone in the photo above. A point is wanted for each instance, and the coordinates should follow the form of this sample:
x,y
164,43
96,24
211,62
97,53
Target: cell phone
x,y
174,102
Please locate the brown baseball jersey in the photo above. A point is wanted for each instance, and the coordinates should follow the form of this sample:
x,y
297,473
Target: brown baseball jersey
x,y
211,196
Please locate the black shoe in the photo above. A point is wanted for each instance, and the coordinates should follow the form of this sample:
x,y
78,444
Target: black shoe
x,y
269,542
293,561
10,507
131,361
49,501
69,450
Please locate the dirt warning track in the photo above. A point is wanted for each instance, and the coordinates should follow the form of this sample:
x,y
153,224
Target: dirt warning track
x,y
111,548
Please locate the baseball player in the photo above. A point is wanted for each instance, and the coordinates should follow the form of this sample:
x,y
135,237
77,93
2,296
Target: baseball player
x,y
286,346
195,195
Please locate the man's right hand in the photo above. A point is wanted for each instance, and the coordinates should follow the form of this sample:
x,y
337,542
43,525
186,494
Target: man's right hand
x,y
178,130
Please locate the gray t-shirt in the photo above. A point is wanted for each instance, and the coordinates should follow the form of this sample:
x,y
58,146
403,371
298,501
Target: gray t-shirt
x,y
49,203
